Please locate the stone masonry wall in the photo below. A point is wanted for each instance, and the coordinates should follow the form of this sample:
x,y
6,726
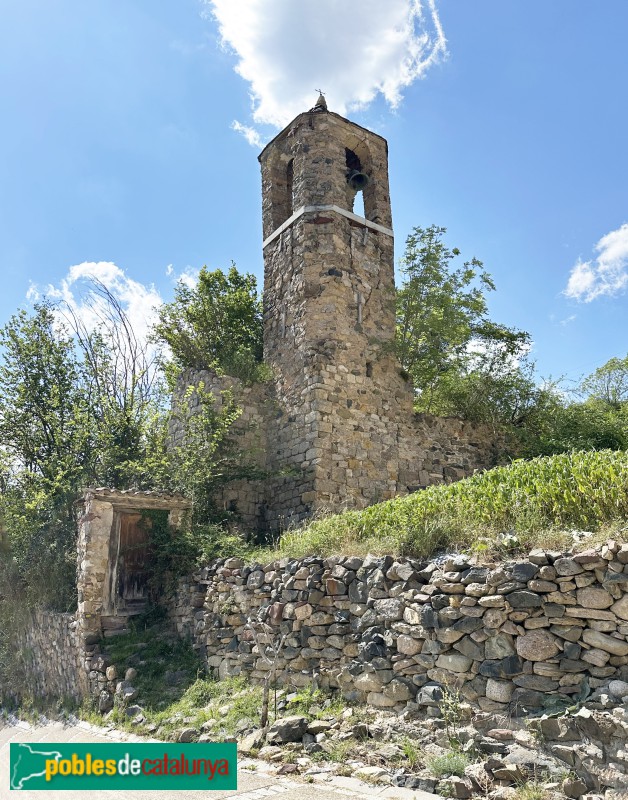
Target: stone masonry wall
x,y
247,439
51,656
58,660
416,451
329,317
435,450
536,634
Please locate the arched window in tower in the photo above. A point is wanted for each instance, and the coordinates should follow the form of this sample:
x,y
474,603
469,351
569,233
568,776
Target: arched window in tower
x,y
357,180
281,191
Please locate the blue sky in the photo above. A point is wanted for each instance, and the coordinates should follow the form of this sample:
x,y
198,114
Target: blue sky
x,y
506,123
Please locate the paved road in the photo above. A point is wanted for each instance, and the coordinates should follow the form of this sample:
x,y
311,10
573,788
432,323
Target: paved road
x,y
257,784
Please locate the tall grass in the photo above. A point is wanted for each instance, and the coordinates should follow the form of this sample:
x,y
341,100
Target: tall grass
x,y
585,490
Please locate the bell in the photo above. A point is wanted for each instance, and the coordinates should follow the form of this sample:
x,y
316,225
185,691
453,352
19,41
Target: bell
x,y
357,180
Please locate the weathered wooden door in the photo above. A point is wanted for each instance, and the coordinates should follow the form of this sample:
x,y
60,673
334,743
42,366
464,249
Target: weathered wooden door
x,y
133,568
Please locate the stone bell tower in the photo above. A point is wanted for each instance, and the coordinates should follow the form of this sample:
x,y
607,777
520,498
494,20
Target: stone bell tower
x,y
329,318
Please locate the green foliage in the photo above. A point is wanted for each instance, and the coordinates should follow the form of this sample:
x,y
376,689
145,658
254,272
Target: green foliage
x,y
156,654
531,790
216,324
172,690
46,445
437,306
199,463
450,708
316,703
591,425
584,490
43,409
202,459
464,365
71,415
451,763
412,752
494,389
600,421
441,310
213,540
79,408
338,750
609,383
172,554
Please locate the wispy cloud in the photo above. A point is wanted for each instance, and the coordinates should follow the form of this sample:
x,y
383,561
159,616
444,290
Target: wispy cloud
x,y
188,276
351,49
252,136
76,292
604,275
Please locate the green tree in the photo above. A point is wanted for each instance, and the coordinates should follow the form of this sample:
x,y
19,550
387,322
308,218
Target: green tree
x,y
442,318
204,459
77,408
122,382
609,383
216,324
581,426
46,448
504,396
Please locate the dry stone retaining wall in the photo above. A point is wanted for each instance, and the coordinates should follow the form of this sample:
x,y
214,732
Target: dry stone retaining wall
x,y
531,635
51,655
58,660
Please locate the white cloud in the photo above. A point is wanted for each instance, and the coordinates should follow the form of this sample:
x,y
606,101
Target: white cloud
x,y
251,135
188,277
604,275
140,302
32,295
352,50
568,320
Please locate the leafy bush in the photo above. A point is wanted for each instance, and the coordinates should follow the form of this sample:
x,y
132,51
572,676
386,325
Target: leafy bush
x,y
451,763
216,324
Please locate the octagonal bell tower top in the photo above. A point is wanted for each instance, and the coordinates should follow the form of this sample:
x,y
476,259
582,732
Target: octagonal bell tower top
x,y
320,161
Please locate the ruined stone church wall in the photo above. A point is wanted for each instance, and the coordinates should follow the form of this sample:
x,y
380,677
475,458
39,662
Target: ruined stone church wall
x,y
329,310
347,423
434,450
265,438
341,445
247,440
335,428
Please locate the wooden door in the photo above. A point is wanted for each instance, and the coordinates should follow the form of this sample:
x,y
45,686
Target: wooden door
x,y
133,568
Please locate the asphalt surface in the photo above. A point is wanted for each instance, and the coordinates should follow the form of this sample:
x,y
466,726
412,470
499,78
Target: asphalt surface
x,y
255,778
